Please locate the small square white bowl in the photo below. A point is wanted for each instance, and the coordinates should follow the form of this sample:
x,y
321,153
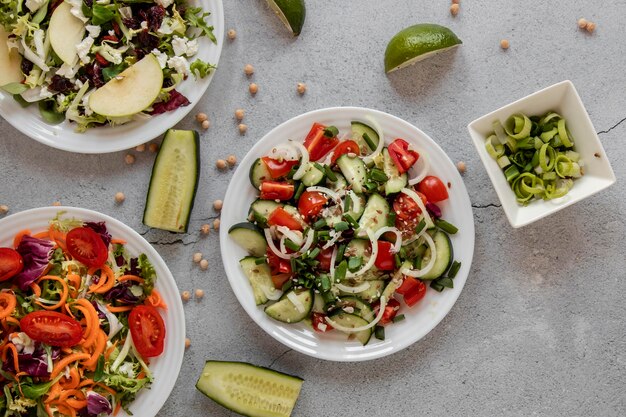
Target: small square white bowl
x,y
563,99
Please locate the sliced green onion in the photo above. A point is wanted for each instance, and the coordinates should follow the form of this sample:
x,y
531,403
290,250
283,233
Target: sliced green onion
x,y
341,226
495,150
511,173
454,269
518,126
340,271
319,224
325,281
299,191
328,296
398,318
379,331
340,251
563,134
259,261
329,173
397,260
347,203
354,263
331,132
435,285
351,220
420,226
378,175
446,227
313,253
503,161
287,286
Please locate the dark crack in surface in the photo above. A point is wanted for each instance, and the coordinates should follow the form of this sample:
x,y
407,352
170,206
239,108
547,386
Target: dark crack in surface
x,y
612,127
279,357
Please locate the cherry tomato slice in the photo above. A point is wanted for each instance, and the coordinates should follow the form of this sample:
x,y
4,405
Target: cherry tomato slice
x,y
347,146
278,266
311,203
318,320
278,169
86,246
11,263
147,330
405,207
317,144
280,279
401,155
391,310
413,290
273,190
324,259
385,260
280,217
433,188
52,328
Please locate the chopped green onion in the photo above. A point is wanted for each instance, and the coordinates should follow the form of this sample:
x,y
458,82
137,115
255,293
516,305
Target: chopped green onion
x,y
287,286
511,173
398,318
435,285
299,191
397,260
446,282
354,263
454,269
378,175
420,226
261,260
369,141
331,132
319,224
313,254
340,251
503,161
351,220
391,219
328,296
341,226
325,281
379,331
329,173
446,227
347,204
340,271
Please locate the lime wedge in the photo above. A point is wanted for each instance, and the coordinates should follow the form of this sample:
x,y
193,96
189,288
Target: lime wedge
x,y
418,42
290,12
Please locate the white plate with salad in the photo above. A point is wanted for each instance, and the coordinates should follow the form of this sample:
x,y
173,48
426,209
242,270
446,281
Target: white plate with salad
x,y
347,234
108,76
116,342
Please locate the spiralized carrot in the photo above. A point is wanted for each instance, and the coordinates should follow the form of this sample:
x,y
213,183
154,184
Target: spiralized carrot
x,y
110,350
107,280
75,281
36,289
118,309
118,407
58,237
131,278
64,293
42,235
91,318
118,241
106,388
101,343
66,361
73,380
8,302
13,349
18,237
86,383
155,300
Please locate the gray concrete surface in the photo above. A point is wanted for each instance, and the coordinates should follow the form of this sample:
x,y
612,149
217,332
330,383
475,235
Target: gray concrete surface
x,y
540,326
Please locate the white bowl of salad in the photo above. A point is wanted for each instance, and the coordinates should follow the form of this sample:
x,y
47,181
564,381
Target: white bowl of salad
x,y
347,234
102,76
91,321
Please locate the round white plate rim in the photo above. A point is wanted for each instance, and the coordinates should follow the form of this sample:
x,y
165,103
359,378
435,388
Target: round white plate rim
x,y
112,139
284,333
149,401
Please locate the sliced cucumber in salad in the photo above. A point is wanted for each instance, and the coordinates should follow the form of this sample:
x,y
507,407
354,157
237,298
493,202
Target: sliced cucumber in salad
x,y
375,215
354,170
260,278
366,137
293,306
354,321
443,260
250,237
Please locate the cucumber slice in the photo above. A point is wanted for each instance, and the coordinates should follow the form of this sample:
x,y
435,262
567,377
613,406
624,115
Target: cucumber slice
x,y
248,389
360,308
312,175
261,209
338,185
259,276
352,320
249,237
356,214
286,311
396,181
259,173
371,294
174,182
375,215
444,255
358,130
361,247
354,170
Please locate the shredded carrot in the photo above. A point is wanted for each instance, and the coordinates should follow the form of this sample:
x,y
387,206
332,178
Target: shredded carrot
x,y
58,237
118,241
101,343
13,349
64,293
53,393
64,409
106,388
74,281
72,382
141,375
8,302
118,407
131,278
66,361
42,235
107,280
110,350
155,300
36,289
120,309
10,320
48,410
86,382
91,318
18,237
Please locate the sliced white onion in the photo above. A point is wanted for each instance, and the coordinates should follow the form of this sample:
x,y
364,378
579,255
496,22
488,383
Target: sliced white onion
x,y
353,290
381,140
356,201
395,231
310,236
295,301
420,203
333,258
332,194
304,160
271,293
414,237
370,261
33,57
335,237
417,273
284,152
293,236
273,248
381,311
424,172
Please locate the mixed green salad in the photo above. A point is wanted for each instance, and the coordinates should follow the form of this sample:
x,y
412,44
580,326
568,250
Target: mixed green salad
x,y
343,229
79,321
100,62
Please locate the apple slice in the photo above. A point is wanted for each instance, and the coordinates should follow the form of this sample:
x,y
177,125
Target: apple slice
x,y
10,62
131,92
65,31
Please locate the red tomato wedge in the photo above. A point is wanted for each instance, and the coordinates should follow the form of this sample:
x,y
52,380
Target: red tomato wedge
x,y
433,188
324,258
318,320
391,310
11,263
278,169
385,260
317,144
52,328
147,330
280,217
347,146
311,203
278,266
87,247
401,155
280,279
272,190
413,290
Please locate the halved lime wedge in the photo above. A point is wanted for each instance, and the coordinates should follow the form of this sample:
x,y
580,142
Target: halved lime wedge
x,y
418,42
290,12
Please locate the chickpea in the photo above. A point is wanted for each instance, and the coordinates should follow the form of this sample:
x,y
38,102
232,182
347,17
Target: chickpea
x,y
454,9
201,117
248,69
301,88
204,264
232,160
197,257
220,164
153,147
140,148
129,159
4,209
199,293
232,34
119,197
504,44
253,88
239,113
187,343
216,224
217,205
185,295
205,229
582,23
461,167
455,1
206,124
242,128
56,203
590,27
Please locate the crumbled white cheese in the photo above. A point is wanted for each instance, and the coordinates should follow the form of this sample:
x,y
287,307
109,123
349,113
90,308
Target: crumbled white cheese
x,y
183,46
45,93
34,5
23,343
161,57
85,103
192,47
125,12
93,30
165,3
79,84
83,48
61,98
77,9
179,64
111,32
144,25
322,326
127,369
68,71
